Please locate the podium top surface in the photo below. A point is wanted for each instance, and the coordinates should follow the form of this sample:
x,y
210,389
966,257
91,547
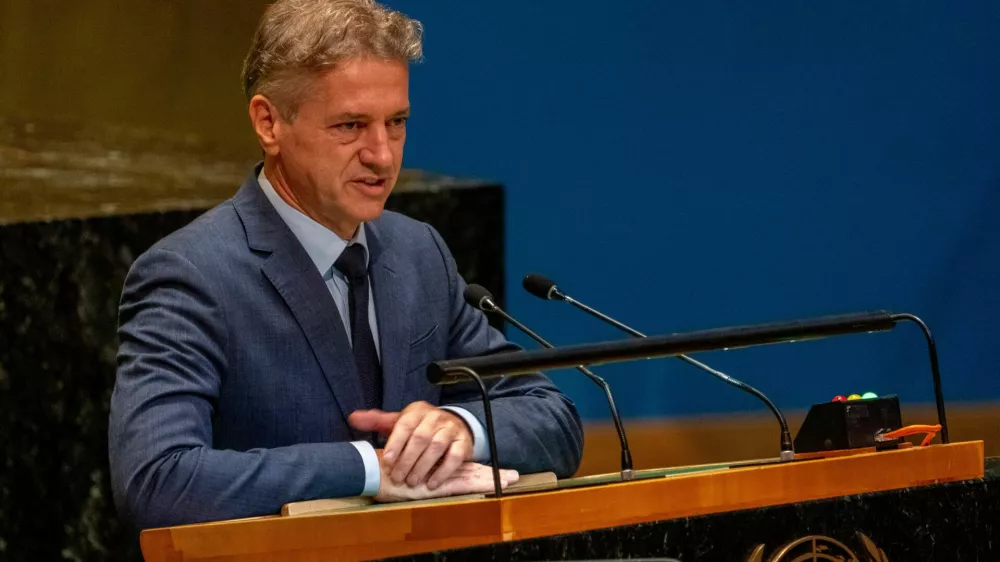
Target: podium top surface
x,y
401,529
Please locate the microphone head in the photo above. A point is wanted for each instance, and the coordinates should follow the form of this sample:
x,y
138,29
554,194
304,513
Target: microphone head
x,y
541,286
479,297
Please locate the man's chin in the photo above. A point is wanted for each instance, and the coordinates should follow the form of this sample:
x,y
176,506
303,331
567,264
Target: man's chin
x,y
370,213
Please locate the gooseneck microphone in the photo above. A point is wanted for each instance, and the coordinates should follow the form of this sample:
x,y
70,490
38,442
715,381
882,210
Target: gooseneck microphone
x,y
480,297
545,289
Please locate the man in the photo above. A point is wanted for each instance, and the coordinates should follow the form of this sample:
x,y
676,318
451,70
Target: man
x,y
267,345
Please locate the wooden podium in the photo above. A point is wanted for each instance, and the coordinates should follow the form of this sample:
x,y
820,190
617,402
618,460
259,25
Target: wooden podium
x,y
578,505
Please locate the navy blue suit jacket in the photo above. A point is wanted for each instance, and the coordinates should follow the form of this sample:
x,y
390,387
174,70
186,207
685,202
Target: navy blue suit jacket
x,y
235,375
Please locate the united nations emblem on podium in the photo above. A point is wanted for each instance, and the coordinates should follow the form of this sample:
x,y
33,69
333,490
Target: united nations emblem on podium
x,y
817,547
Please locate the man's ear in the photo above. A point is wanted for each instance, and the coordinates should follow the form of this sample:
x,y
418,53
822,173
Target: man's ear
x,y
267,123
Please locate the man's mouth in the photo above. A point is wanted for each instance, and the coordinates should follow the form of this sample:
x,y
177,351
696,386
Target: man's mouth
x,y
371,184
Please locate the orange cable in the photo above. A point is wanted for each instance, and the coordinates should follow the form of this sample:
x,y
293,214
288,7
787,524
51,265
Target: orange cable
x,y
930,430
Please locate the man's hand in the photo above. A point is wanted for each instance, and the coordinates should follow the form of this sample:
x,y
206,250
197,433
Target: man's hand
x,y
469,478
426,444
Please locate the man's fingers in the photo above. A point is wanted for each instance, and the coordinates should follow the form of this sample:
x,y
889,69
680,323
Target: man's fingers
x,y
472,478
417,441
373,420
399,436
450,464
509,476
438,448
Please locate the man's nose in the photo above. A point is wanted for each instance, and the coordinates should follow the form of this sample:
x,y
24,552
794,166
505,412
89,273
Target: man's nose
x,y
376,153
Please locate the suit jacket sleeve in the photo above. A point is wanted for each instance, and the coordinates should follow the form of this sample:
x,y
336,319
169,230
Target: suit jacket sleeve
x,y
171,362
537,427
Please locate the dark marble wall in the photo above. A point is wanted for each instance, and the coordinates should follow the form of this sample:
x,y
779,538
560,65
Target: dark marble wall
x,y
945,522
59,288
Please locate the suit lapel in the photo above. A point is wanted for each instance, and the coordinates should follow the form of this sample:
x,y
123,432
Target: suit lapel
x,y
308,298
301,286
392,312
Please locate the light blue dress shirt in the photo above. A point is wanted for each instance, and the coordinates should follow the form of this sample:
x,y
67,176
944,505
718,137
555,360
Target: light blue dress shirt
x,y
324,247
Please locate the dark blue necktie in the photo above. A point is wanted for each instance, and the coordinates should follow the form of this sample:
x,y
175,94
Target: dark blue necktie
x,y
352,264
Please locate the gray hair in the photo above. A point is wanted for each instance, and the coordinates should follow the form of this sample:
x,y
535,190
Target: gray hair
x,y
297,39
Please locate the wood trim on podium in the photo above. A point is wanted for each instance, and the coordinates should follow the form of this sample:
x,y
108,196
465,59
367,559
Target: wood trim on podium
x,y
396,530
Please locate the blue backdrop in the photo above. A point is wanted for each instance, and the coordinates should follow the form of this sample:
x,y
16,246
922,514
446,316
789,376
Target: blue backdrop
x,y
686,165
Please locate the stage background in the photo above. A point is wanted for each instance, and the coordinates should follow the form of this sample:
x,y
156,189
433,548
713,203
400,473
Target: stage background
x,y
685,165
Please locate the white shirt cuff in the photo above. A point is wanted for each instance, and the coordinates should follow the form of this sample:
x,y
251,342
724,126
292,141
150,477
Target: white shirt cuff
x,y
480,445
373,472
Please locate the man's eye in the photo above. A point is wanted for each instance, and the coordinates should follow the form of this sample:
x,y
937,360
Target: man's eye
x,y
349,126
397,122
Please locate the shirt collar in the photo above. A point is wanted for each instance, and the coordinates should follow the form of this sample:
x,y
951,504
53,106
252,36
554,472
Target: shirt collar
x,y
322,244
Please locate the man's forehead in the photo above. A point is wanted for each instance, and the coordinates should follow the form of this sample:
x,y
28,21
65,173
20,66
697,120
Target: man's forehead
x,y
361,86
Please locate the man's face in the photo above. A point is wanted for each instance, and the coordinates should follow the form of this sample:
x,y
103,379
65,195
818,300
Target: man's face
x,y
340,156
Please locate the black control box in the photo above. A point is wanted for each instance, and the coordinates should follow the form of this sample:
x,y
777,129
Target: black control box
x,y
851,424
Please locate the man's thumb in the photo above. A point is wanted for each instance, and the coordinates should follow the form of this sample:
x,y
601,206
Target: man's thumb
x,y
373,420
